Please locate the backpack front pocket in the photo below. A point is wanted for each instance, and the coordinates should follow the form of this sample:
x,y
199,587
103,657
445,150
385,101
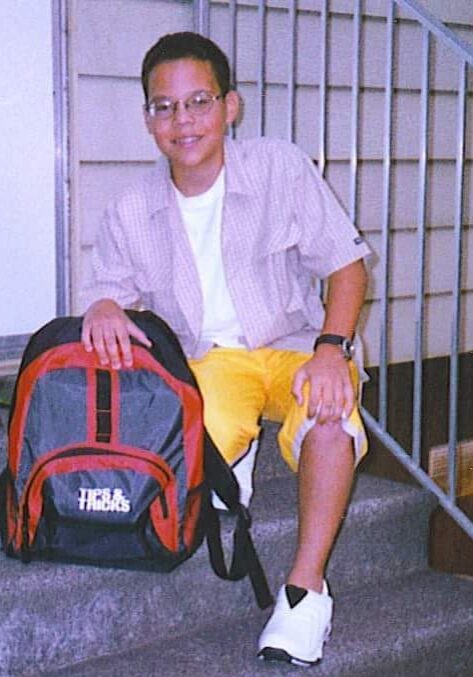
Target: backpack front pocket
x,y
87,502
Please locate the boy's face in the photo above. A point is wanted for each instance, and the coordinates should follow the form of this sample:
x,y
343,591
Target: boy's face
x,y
193,143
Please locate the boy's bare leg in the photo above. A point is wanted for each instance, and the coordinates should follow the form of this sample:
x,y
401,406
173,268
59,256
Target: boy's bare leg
x,y
325,475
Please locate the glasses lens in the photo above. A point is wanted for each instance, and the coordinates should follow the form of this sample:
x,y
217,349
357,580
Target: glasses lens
x,y
161,109
200,103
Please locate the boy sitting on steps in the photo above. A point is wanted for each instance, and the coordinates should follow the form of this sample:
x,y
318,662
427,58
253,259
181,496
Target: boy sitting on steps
x,y
224,240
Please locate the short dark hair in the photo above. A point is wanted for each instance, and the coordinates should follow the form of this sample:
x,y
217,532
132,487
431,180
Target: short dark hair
x,y
187,45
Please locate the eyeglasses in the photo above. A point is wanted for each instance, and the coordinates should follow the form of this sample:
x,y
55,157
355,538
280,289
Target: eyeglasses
x,y
198,103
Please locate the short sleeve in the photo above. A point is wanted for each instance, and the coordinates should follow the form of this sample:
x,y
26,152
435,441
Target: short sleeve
x,y
328,239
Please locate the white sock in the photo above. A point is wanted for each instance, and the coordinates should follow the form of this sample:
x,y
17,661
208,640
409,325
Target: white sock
x,y
243,470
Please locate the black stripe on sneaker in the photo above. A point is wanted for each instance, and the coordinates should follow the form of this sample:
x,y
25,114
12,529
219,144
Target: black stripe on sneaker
x,y
295,594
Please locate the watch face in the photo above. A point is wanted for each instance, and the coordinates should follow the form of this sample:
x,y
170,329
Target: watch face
x,y
348,349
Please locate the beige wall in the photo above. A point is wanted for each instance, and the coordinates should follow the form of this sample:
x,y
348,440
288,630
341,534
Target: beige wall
x,y
110,146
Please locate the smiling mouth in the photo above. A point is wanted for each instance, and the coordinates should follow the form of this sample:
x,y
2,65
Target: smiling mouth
x,y
186,140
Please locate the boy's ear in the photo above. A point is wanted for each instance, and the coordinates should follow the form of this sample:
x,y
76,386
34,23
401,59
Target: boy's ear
x,y
232,104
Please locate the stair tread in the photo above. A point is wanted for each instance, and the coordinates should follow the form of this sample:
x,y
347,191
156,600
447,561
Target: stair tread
x,y
419,625
277,496
273,508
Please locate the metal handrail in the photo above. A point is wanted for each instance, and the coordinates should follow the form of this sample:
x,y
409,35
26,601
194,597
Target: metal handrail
x,y
420,475
437,28
432,27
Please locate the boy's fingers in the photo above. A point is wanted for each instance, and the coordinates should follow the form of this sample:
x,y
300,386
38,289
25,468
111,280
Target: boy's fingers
x,y
85,338
297,385
131,329
138,334
124,343
111,346
98,343
349,399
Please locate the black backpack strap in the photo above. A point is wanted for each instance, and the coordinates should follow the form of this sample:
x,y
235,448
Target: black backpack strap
x,y
4,479
245,560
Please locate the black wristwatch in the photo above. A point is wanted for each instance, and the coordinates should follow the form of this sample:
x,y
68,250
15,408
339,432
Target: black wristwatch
x,y
345,344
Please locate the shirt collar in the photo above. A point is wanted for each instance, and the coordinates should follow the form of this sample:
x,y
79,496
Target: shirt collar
x,y
160,189
159,186
236,177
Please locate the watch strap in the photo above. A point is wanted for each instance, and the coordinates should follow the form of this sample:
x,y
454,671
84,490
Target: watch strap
x,y
336,340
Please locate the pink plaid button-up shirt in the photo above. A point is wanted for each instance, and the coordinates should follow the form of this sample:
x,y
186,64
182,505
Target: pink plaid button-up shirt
x,y
282,230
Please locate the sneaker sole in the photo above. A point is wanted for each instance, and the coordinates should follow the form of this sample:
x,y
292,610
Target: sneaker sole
x,y
280,655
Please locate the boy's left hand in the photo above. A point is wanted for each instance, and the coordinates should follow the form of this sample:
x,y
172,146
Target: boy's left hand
x,y
331,393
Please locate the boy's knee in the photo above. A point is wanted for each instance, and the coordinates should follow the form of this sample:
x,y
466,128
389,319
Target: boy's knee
x,y
325,433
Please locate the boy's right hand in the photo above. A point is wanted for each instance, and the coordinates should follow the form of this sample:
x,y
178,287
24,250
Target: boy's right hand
x,y
107,329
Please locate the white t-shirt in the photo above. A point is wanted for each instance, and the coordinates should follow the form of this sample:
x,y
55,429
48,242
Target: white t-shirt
x,y
202,216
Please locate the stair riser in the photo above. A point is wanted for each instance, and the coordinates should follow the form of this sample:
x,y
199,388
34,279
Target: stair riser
x,y
417,626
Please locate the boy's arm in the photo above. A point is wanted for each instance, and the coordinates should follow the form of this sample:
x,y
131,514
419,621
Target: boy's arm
x,y
106,328
327,372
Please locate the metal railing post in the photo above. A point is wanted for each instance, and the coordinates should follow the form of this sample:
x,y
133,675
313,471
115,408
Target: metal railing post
x,y
456,315
202,17
291,78
323,87
59,11
261,78
232,8
386,222
355,106
421,237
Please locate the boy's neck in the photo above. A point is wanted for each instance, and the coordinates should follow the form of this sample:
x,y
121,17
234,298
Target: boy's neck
x,y
190,182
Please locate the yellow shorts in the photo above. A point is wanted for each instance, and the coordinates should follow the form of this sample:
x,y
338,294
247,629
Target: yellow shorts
x,y
239,387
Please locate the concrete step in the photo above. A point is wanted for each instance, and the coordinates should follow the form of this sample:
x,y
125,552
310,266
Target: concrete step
x,y
418,626
54,615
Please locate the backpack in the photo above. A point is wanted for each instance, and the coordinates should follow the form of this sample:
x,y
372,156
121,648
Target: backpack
x,y
114,467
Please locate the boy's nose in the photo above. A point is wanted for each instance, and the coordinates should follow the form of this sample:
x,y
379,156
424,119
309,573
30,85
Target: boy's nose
x,y
181,113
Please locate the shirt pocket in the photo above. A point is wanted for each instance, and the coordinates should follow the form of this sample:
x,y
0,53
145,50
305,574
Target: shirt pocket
x,y
285,280
276,240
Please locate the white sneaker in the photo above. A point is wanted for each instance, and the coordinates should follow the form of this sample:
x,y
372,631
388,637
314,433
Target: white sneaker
x,y
298,628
